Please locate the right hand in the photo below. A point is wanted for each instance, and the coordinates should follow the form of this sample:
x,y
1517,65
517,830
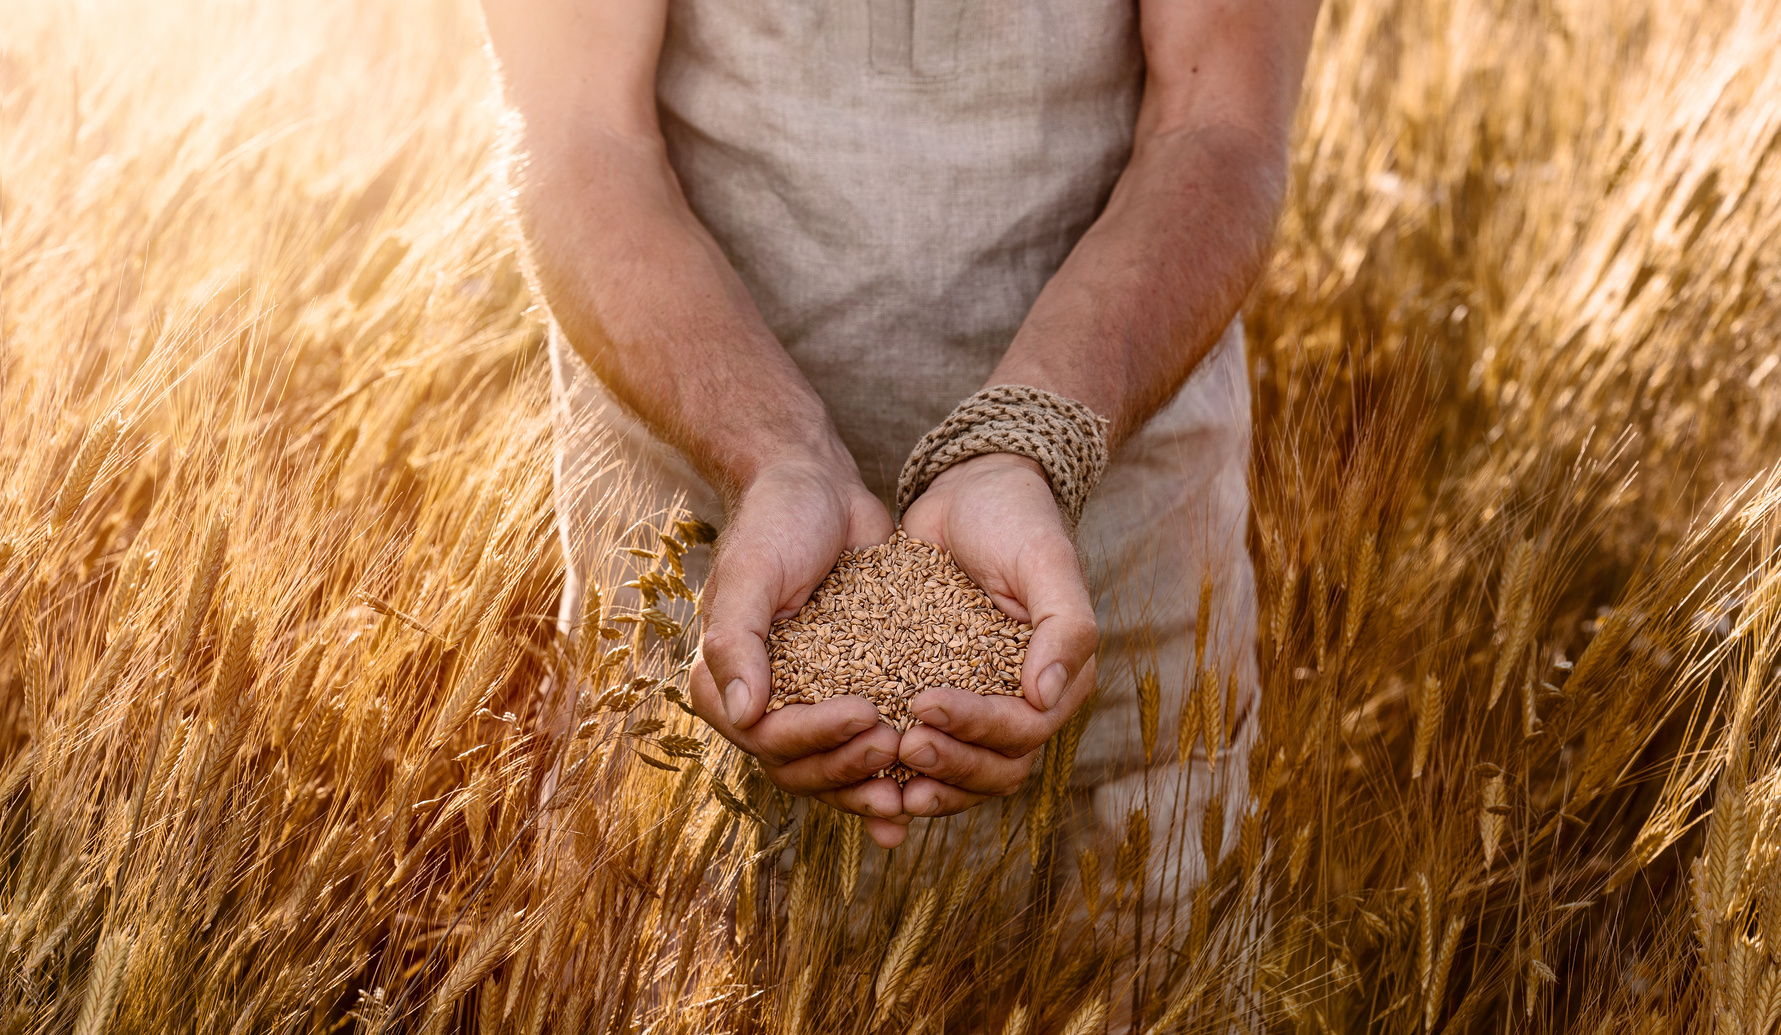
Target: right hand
x,y
781,539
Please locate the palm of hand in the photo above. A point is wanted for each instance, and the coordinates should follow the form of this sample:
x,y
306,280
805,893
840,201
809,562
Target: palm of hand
x,y
996,515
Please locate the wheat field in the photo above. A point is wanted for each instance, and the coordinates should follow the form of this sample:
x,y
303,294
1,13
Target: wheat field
x,y
278,578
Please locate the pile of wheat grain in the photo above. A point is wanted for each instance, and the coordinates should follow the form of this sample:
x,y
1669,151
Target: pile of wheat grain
x,y
889,622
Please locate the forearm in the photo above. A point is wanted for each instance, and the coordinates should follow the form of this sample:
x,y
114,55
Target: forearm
x,y
646,297
1153,283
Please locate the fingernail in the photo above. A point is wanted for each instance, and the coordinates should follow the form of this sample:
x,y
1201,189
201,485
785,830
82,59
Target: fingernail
x,y
936,717
924,757
878,758
931,807
736,701
1051,684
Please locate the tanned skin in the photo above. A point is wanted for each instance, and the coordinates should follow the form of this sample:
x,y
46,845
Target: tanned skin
x,y
646,297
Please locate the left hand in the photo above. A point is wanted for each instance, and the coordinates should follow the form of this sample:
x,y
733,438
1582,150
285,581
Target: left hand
x,y
996,515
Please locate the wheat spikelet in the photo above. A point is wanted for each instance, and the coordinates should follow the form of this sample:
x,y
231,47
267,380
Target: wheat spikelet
x,y
296,692
480,678
1187,728
1088,871
1429,910
1180,1003
1089,1018
33,664
912,933
1041,815
1249,840
175,744
1131,859
319,865
315,737
1492,805
1150,701
1212,830
228,721
1360,590
94,450
127,587
1768,922
1728,844
1514,615
475,536
1431,704
535,1018
110,670
205,574
483,955
1211,713
1436,992
1203,618
488,1006
1766,1011
18,771
522,965
799,999
1320,611
1017,1021
852,831
104,978
1281,621
491,575
1300,854
1530,712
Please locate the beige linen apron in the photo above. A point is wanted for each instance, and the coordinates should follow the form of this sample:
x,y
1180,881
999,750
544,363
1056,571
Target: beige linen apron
x,y
895,181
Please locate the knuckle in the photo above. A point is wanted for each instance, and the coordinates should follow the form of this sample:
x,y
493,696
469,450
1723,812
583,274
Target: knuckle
x,y
720,646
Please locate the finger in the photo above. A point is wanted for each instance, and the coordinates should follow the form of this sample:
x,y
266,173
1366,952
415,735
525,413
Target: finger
x,y
926,796
861,758
801,730
879,799
965,766
869,524
888,833
1049,583
1008,725
738,604
791,732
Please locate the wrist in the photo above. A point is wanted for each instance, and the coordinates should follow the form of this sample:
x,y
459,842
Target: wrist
x,y
820,456
987,464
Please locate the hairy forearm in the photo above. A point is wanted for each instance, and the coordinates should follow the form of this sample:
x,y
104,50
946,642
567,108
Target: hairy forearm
x,y
647,298
1153,283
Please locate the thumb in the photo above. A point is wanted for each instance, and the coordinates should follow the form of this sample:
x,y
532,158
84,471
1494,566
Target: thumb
x,y
1050,586
738,605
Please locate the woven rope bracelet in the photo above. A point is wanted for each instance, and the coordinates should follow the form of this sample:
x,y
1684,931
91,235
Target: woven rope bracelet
x,y
1064,437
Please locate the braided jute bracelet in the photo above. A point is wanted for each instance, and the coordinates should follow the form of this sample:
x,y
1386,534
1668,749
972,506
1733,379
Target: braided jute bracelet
x,y
1064,437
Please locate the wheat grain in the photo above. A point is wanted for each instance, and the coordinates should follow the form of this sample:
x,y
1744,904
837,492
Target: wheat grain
x,y
889,622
